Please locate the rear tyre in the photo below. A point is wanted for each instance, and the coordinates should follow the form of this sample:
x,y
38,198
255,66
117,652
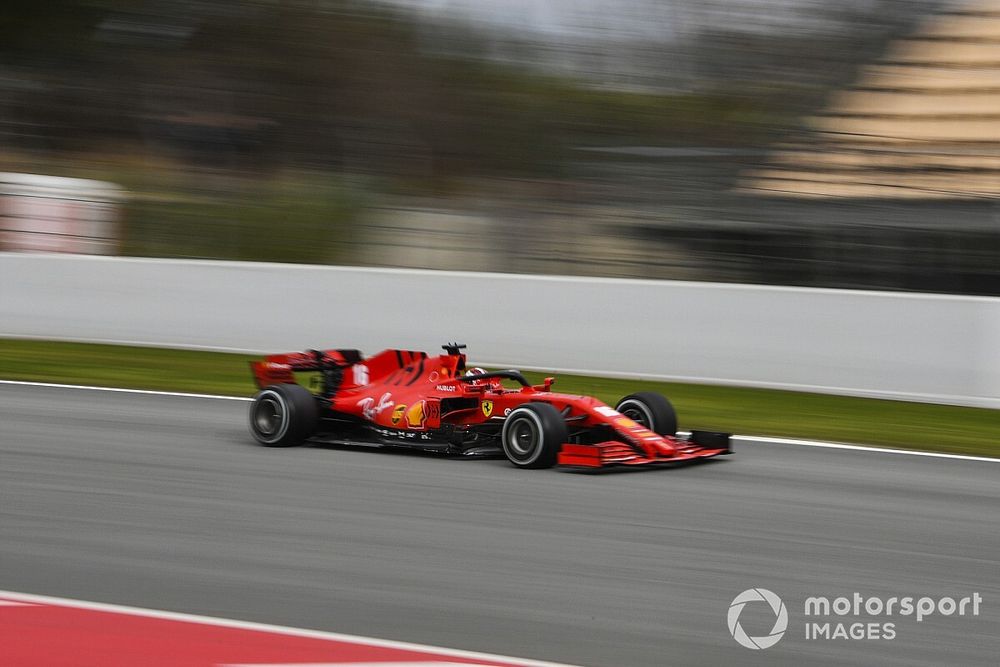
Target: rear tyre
x,y
283,415
651,410
532,435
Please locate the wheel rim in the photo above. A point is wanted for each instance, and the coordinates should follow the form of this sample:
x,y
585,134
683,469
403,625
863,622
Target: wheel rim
x,y
522,438
268,416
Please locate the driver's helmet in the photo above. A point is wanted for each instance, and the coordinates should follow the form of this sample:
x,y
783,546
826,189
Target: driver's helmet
x,y
487,382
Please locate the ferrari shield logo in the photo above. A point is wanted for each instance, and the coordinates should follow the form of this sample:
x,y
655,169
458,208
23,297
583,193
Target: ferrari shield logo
x,y
397,414
487,408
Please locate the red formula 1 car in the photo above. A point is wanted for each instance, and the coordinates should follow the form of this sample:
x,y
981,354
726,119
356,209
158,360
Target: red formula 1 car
x,y
401,398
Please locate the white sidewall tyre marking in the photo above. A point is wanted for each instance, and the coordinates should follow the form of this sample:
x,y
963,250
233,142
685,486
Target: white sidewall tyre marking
x,y
516,414
286,418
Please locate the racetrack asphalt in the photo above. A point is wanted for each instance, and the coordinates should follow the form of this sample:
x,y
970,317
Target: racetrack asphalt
x,y
165,502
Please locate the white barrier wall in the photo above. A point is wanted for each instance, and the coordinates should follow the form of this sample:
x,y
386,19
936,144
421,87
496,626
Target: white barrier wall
x,y
914,347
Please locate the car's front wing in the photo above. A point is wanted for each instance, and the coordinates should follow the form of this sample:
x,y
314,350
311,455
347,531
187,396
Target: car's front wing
x,y
702,445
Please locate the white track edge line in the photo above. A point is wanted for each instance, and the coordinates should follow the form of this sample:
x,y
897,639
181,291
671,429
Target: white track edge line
x,y
119,390
275,629
863,448
756,438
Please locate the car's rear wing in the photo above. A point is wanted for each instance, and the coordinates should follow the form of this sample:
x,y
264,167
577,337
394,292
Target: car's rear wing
x,y
281,368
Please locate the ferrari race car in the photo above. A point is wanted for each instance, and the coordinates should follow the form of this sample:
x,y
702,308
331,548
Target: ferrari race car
x,y
402,398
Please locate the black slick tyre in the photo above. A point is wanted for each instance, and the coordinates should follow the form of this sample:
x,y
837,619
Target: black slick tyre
x,y
532,435
283,415
651,410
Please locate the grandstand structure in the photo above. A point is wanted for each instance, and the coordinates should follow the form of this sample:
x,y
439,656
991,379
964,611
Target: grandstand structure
x,y
895,184
922,123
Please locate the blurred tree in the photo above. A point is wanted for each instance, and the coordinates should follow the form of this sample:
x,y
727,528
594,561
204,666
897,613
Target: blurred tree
x,y
340,84
362,87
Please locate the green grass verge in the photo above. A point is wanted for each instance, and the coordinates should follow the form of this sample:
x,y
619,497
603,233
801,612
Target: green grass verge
x,y
739,410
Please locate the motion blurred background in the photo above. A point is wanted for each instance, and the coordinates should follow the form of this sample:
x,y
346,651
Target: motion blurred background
x,y
853,144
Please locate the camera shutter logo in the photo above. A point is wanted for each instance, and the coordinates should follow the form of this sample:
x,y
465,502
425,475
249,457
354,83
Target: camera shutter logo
x,y
780,618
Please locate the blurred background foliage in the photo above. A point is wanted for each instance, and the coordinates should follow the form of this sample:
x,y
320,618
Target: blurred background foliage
x,y
406,133
339,85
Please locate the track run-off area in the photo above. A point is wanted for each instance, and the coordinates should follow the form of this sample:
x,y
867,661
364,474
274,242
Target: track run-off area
x,y
163,502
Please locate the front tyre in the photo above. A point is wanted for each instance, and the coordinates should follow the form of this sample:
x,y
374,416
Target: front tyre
x,y
532,435
283,415
650,410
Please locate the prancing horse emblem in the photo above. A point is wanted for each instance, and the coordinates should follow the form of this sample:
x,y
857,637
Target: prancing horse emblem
x,y
487,408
